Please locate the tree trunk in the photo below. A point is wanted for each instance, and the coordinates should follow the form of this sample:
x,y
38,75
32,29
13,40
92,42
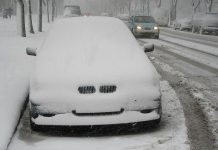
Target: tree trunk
x,y
21,18
29,16
129,7
173,11
195,5
53,10
158,3
40,15
47,9
209,4
148,7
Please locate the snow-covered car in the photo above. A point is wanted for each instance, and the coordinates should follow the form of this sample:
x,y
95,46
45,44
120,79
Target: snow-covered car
x,y
203,23
183,24
72,11
92,71
144,26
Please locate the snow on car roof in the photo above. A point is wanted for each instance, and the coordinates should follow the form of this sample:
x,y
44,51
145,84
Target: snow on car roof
x,y
89,38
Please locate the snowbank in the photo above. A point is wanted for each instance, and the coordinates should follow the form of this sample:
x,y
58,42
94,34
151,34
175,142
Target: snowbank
x,y
14,77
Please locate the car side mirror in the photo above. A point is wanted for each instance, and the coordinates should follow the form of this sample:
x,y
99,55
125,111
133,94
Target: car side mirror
x,y
148,47
31,51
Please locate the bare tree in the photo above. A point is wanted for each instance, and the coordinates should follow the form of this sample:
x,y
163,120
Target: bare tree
x,y
209,4
148,7
40,15
21,18
29,16
47,10
129,7
173,11
53,10
195,5
158,3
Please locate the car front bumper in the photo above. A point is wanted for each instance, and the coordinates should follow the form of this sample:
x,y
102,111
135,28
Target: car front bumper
x,y
70,119
145,32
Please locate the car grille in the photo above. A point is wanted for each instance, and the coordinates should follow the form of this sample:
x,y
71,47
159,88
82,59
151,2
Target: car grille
x,y
86,89
146,28
107,88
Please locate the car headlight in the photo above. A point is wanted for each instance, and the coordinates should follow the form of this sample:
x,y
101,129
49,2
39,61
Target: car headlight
x,y
156,28
139,28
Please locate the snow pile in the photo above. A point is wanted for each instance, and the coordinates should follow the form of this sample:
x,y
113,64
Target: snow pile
x,y
14,78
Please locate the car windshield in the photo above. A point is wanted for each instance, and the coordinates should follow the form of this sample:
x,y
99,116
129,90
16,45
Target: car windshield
x,y
144,19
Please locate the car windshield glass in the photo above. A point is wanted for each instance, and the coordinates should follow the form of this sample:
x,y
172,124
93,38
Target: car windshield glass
x,y
144,19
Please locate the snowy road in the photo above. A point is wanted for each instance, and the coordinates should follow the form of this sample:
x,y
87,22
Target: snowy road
x,y
202,39
191,69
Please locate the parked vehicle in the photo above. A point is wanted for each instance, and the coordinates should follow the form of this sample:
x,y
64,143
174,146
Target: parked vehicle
x,y
5,13
72,11
144,26
205,23
183,24
92,71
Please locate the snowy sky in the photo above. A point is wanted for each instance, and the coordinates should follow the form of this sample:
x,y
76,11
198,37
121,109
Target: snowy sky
x,y
184,8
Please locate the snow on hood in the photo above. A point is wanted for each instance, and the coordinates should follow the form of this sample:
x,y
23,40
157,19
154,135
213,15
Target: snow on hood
x,y
92,50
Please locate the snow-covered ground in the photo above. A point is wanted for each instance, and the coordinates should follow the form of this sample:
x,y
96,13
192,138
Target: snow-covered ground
x,y
195,51
205,93
14,76
189,35
15,67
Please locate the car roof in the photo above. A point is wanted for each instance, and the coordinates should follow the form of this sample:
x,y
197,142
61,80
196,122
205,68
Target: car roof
x,y
93,36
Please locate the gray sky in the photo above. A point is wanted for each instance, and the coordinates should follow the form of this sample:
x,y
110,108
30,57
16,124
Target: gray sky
x,y
184,8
